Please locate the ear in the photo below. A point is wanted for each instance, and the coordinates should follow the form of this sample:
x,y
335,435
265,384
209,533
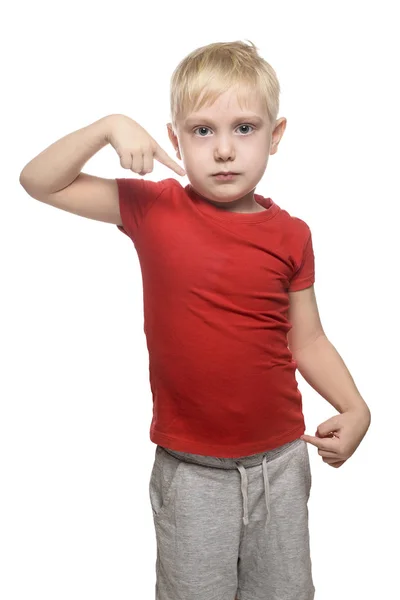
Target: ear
x,y
279,130
174,140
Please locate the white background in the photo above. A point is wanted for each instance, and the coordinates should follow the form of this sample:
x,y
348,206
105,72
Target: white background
x,y
76,458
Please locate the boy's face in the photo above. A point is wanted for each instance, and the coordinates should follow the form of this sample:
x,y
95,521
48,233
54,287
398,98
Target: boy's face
x,y
225,137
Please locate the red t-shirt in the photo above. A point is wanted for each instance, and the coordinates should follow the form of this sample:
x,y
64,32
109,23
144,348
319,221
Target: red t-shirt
x,y
215,292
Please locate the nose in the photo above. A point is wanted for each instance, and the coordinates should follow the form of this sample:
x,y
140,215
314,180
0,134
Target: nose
x,y
224,148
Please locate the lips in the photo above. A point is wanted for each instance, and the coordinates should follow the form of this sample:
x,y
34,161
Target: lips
x,y
226,176
226,173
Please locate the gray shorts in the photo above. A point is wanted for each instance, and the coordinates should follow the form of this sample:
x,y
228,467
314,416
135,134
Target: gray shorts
x,y
231,528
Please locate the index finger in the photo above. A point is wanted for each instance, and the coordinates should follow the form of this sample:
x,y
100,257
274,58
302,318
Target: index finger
x,y
327,444
166,160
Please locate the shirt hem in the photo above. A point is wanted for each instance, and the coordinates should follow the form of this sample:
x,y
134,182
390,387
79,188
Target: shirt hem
x,y
302,284
223,451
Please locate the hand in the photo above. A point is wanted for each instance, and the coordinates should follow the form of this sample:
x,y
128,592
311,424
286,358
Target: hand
x,y
136,148
339,437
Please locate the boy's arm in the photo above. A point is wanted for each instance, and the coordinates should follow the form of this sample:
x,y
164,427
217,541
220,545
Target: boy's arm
x,y
304,318
54,176
324,369
60,164
338,437
317,359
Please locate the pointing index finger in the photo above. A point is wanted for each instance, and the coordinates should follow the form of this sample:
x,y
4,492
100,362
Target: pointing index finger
x,y
320,443
166,160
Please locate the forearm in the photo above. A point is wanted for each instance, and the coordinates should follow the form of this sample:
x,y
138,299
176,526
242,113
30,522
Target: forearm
x,y
61,163
323,368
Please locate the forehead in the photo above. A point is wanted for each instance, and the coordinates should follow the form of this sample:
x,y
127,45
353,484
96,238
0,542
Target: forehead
x,y
230,106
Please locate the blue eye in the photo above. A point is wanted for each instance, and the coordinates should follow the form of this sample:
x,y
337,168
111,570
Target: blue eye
x,y
246,126
203,128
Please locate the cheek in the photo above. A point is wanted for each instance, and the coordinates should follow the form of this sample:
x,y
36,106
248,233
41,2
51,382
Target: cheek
x,y
195,157
259,157
187,153
260,147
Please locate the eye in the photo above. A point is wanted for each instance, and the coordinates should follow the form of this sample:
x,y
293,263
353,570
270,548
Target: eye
x,y
245,126
200,128
205,129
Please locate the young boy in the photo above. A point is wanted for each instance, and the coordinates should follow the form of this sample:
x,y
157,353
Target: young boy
x,y
230,314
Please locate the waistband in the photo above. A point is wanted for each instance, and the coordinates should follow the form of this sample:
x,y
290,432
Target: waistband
x,y
241,463
253,460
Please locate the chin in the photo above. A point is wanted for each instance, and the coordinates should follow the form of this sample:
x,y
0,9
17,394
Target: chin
x,y
229,193
227,199
224,197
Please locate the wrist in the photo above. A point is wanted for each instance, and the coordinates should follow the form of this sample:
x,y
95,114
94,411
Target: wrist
x,y
362,411
107,123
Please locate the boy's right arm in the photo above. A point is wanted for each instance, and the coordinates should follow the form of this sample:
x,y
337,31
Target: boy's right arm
x,y
54,176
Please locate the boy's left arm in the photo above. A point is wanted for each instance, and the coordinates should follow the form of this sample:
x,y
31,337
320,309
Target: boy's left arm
x,y
323,368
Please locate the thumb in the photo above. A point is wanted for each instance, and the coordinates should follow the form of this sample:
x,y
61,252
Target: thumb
x,y
327,427
166,160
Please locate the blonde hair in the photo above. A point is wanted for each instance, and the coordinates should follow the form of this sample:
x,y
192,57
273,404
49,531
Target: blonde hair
x,y
209,71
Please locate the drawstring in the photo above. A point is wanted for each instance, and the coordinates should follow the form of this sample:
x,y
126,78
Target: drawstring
x,y
243,474
266,488
244,488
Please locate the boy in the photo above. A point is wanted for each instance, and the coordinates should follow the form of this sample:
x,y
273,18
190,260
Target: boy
x,y
230,313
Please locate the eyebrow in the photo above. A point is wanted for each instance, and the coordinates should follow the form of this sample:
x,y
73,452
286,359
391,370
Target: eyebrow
x,y
240,119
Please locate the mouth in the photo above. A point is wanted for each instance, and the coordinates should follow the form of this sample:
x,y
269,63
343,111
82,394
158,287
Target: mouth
x,y
225,175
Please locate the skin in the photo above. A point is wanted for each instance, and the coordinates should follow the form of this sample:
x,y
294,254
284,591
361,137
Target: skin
x,y
225,136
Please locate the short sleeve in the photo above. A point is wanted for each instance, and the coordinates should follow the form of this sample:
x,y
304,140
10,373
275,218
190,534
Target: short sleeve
x,y
136,197
305,275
